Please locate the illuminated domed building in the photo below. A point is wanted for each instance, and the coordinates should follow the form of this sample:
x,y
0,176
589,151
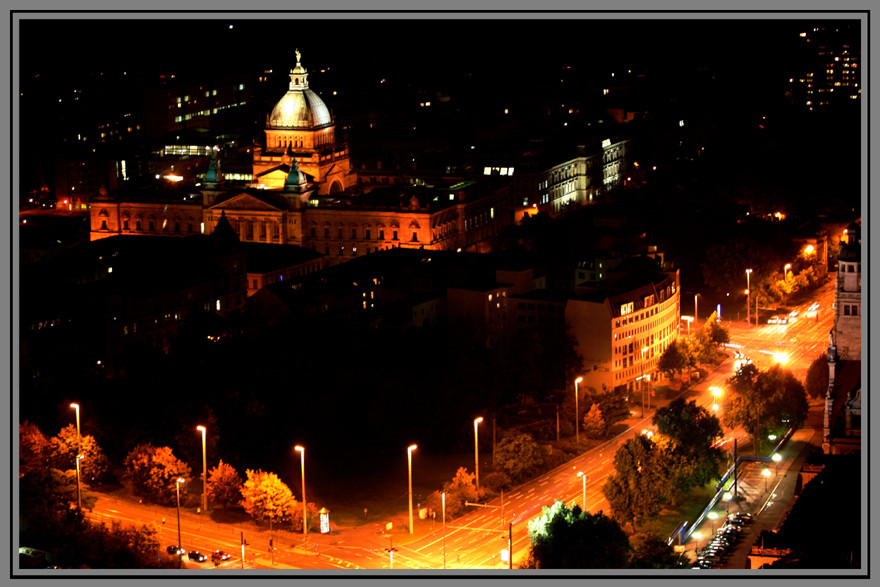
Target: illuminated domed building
x,y
301,127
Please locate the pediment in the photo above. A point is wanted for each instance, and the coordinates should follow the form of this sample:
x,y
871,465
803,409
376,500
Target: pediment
x,y
245,202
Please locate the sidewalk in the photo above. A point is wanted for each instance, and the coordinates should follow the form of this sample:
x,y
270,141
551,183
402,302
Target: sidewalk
x,y
769,506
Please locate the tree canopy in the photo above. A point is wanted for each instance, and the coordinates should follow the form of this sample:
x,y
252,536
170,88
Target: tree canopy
x,y
641,484
817,377
265,497
517,454
153,472
570,538
224,485
763,401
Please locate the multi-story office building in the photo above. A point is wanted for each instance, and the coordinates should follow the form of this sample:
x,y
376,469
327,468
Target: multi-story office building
x,y
622,332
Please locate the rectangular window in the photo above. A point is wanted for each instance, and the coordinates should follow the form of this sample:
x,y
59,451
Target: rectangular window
x,y
312,232
381,235
846,309
415,237
326,233
394,235
367,233
339,233
855,310
354,233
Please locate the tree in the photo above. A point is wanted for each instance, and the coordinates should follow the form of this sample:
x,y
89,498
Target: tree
x,y
64,448
265,497
614,409
594,423
569,538
817,377
673,360
517,454
153,472
224,485
760,401
652,552
641,484
689,426
714,332
33,450
692,431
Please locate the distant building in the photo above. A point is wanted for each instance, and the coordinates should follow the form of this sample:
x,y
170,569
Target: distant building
x,y
830,72
301,195
848,296
87,306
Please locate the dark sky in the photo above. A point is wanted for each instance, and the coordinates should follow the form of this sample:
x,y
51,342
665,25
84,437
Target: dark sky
x,y
418,47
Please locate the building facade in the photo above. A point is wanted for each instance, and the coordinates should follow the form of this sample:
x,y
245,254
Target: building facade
x,y
622,336
848,296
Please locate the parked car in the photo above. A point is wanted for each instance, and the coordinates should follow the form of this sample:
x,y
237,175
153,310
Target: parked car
x,y
219,555
195,555
175,550
778,320
743,516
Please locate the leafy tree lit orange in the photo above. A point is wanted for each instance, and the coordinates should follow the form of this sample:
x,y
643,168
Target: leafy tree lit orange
x,y
265,497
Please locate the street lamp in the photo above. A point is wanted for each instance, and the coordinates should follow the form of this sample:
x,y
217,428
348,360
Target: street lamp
x,y
697,536
577,433
712,516
409,452
696,315
688,319
727,497
302,463
716,391
748,297
642,380
204,432
785,270
179,539
766,473
477,452
776,457
443,501
584,479
76,407
78,500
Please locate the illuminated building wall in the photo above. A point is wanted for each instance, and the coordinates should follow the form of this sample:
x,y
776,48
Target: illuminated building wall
x,y
848,297
301,126
577,181
157,218
176,106
611,332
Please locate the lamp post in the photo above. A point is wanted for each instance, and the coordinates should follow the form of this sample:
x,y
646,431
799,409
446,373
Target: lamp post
x,y
577,428
785,278
204,432
696,315
716,391
642,380
766,473
477,452
697,536
688,319
748,297
78,434
712,516
584,479
179,539
409,452
302,463
443,502
78,499
776,457
727,497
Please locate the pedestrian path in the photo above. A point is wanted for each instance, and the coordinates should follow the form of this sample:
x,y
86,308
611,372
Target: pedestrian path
x,y
768,498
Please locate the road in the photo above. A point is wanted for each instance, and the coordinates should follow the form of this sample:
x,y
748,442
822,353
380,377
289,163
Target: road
x,y
475,540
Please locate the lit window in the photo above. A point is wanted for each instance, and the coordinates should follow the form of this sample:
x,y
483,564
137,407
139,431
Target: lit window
x,y
217,304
